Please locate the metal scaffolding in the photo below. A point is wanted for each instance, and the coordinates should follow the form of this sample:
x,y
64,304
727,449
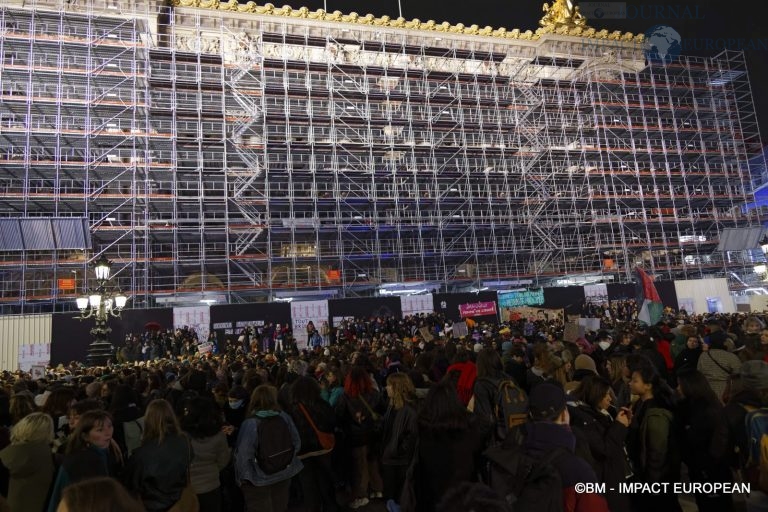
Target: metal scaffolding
x,y
218,154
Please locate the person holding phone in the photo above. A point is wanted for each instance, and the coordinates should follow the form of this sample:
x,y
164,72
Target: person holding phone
x,y
600,431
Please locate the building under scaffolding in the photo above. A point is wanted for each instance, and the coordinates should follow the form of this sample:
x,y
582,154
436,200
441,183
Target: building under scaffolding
x,y
239,152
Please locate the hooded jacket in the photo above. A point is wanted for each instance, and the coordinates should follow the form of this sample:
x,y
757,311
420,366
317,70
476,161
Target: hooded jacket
x,y
541,438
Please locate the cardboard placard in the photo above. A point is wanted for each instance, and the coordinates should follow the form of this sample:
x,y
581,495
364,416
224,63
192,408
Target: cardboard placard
x,y
37,372
573,331
590,324
460,329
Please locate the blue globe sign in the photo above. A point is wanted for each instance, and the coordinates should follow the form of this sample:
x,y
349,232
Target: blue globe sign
x,y
662,44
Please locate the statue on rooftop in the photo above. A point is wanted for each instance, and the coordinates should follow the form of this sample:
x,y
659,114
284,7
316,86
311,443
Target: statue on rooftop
x,y
562,13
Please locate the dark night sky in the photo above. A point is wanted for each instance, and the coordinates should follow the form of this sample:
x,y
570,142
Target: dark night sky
x,y
710,19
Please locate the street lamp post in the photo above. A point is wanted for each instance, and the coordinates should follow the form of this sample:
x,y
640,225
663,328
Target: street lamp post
x,y
101,302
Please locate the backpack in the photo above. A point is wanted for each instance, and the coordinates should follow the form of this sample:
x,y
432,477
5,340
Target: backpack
x,y
275,451
132,432
523,482
511,409
756,422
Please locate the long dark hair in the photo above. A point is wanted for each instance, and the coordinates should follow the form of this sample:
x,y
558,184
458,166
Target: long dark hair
x,y
442,410
305,390
662,393
358,382
489,363
87,422
202,418
696,388
592,389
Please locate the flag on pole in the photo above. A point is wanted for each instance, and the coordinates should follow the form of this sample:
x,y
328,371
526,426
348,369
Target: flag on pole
x,y
651,307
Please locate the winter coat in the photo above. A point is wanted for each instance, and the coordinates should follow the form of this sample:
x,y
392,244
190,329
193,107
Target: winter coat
x,y
604,438
446,459
400,434
703,437
86,463
735,413
209,456
710,365
322,415
651,443
30,466
485,393
157,472
541,438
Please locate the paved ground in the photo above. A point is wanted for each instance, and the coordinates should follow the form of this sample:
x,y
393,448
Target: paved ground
x,y
687,501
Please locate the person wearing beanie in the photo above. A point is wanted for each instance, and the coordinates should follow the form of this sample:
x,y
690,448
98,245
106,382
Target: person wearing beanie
x,y
583,365
549,430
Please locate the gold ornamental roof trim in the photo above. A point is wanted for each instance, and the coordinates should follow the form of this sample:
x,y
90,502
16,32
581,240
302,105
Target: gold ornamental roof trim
x,y
562,17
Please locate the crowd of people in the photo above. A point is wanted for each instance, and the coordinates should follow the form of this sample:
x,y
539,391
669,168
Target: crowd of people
x,y
401,412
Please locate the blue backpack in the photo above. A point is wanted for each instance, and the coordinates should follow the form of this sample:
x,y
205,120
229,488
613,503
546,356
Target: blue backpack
x,y
756,423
